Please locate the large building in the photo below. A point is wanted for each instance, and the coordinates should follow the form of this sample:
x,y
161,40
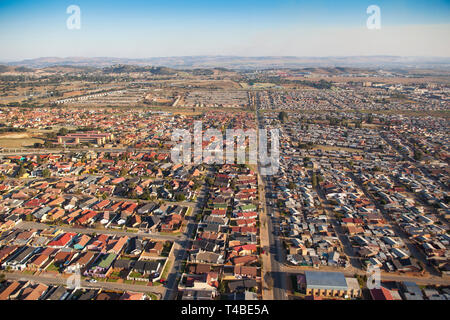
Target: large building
x,y
330,284
88,137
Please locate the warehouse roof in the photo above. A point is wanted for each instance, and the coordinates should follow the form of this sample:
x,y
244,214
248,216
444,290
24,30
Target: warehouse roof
x,y
325,280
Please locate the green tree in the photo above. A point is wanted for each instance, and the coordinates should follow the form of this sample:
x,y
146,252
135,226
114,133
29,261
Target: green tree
x,y
46,173
123,172
283,117
21,171
210,181
63,132
418,155
314,180
180,197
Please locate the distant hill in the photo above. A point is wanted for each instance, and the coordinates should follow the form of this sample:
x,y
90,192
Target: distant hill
x,y
4,69
124,68
235,62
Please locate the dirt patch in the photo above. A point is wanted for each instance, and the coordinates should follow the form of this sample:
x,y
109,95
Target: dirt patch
x,y
14,135
18,142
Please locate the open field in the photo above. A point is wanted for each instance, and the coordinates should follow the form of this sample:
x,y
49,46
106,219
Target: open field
x,y
18,143
333,148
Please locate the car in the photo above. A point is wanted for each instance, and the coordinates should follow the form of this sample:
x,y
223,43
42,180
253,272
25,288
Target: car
x,y
92,280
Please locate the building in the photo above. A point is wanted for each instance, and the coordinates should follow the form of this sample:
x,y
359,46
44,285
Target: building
x,y
88,137
330,284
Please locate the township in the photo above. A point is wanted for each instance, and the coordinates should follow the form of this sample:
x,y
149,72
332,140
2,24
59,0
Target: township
x,y
89,193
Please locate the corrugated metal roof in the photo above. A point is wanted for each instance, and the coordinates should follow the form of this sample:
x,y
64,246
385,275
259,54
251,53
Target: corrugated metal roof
x,y
325,280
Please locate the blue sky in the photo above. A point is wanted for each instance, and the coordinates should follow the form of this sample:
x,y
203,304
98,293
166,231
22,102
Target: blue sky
x,y
153,28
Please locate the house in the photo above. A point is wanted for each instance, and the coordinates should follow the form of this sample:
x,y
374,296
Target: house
x,y
63,258
242,285
81,262
152,250
18,261
60,293
62,240
135,246
33,292
245,272
12,288
145,268
208,257
81,242
244,260
122,264
380,294
7,251
199,268
38,262
119,244
147,208
102,266
244,250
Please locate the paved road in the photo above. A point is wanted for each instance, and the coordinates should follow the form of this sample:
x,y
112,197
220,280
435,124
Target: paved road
x,y
275,251
267,290
277,257
42,226
181,246
57,280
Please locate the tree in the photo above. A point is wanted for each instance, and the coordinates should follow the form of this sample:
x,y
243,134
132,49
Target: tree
x,y
210,181
283,116
418,155
21,171
46,173
280,203
314,180
195,186
63,132
222,287
2,277
123,172
180,197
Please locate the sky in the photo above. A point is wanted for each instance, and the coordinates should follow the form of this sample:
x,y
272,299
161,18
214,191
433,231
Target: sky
x,y
165,28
